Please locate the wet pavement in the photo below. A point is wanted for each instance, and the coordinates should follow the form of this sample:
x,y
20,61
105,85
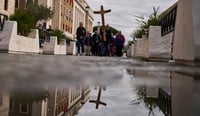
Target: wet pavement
x,y
45,85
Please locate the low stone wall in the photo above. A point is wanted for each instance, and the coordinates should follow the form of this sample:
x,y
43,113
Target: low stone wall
x,y
11,42
159,46
52,47
133,50
138,44
141,49
71,48
129,50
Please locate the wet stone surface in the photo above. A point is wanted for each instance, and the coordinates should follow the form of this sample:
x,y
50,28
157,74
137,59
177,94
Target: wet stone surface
x,y
45,85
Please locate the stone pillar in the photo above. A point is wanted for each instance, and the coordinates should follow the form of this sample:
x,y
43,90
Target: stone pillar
x,y
187,31
132,50
154,41
145,46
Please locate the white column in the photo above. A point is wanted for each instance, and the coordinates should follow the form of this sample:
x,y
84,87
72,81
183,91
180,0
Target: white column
x,y
187,30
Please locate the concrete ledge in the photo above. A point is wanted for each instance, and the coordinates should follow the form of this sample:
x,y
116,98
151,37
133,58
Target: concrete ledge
x,y
53,48
14,43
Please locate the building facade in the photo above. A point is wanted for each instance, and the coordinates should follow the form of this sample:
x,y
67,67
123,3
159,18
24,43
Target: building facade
x,y
56,101
7,7
82,13
22,4
67,14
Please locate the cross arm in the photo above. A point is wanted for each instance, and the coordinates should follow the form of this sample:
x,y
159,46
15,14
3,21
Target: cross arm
x,y
97,12
106,11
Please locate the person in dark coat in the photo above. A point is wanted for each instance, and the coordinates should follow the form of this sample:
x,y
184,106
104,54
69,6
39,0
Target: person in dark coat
x,y
95,43
80,34
88,43
108,41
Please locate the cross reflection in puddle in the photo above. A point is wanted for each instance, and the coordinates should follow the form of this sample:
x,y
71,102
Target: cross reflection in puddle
x,y
98,101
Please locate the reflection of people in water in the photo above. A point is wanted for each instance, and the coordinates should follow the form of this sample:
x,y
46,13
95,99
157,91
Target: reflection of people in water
x,y
98,101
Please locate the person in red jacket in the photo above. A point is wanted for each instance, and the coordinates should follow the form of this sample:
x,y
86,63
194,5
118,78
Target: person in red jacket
x,y
119,43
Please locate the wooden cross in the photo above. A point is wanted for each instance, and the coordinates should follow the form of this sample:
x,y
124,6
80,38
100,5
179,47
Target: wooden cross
x,y
102,12
98,101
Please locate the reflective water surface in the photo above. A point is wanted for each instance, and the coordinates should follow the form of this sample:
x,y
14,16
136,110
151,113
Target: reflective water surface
x,y
44,85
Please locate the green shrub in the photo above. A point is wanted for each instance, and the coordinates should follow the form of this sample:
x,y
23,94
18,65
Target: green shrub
x,y
60,35
25,22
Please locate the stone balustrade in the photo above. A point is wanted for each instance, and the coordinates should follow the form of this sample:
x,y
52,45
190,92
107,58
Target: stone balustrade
x,y
12,43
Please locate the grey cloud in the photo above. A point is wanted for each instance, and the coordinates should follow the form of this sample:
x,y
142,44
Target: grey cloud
x,y
123,11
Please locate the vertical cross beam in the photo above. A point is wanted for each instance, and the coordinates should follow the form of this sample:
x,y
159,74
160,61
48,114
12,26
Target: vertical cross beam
x,y
102,12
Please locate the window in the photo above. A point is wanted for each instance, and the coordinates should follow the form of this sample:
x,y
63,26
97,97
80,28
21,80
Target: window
x,y
168,22
61,10
5,4
16,3
11,105
66,28
1,100
24,108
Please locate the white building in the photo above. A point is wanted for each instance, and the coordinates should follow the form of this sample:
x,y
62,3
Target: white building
x,y
82,13
7,7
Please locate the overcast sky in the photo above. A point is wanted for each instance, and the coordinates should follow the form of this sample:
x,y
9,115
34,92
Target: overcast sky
x,y
123,11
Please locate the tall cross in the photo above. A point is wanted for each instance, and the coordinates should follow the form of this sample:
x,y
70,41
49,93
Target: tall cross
x,y
102,12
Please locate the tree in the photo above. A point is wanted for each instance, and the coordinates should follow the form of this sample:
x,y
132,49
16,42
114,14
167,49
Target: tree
x,y
25,22
39,12
28,18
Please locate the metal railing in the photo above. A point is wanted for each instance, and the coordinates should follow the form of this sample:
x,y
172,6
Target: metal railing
x,y
164,102
168,20
3,18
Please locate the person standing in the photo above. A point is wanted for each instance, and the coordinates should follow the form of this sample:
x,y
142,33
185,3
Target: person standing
x,y
95,43
80,34
108,41
41,35
119,42
88,43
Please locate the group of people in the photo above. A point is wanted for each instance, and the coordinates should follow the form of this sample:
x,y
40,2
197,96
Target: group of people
x,y
96,45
